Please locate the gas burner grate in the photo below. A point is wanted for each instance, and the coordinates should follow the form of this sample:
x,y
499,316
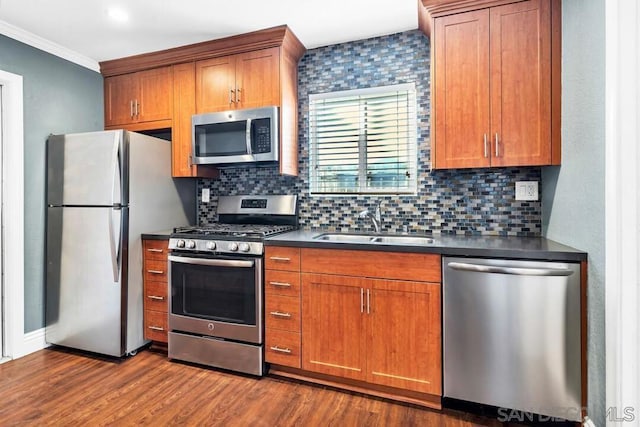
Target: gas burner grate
x,y
236,230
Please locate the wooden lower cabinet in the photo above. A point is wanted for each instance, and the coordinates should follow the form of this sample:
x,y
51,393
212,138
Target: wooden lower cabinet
x,y
376,335
333,324
156,302
404,335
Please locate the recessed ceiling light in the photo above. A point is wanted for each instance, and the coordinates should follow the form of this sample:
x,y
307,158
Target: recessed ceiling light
x,y
117,14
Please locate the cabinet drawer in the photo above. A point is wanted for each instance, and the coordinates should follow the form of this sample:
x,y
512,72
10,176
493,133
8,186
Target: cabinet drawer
x,y
384,265
281,258
155,249
155,325
155,296
282,348
282,283
283,313
155,271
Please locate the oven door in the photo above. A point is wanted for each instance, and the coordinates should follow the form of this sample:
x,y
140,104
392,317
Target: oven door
x,y
217,296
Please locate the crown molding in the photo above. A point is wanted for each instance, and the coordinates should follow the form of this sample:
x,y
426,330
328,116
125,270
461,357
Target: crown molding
x,y
48,46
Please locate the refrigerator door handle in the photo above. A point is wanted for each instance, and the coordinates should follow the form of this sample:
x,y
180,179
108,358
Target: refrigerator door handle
x,y
115,248
115,170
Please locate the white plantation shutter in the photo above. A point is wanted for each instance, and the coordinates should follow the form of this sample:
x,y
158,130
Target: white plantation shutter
x,y
364,141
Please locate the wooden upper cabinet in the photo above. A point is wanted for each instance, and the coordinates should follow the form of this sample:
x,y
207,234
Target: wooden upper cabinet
x,y
520,47
142,97
184,106
461,91
495,82
215,84
247,80
258,78
250,70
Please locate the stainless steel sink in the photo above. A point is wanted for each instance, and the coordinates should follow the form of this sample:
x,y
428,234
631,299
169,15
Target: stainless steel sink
x,y
346,238
381,239
404,240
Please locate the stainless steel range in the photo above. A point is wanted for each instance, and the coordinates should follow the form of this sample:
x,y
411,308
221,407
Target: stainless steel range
x,y
216,304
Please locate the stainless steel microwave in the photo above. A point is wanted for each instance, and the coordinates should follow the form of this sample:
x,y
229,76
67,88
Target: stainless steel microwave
x,y
237,136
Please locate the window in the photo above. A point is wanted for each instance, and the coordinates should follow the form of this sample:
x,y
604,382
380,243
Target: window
x,y
363,141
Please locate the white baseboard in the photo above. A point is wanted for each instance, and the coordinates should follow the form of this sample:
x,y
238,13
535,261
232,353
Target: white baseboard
x,y
32,342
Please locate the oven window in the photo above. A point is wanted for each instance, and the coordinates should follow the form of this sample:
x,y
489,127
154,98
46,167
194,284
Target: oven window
x,y
226,294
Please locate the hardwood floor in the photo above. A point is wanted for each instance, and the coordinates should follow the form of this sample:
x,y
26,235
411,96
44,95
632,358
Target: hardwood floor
x,y
54,387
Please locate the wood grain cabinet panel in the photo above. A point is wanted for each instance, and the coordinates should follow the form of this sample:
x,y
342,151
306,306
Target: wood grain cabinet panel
x,y
162,90
494,101
246,80
404,335
333,326
370,320
282,258
133,99
155,288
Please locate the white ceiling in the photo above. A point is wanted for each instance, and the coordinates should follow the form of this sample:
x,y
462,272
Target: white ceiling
x,y
84,27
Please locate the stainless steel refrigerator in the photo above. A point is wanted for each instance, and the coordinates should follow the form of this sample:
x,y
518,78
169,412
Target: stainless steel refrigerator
x,y
103,190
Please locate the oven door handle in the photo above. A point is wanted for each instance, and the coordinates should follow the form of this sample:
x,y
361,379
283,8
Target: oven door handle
x,y
213,262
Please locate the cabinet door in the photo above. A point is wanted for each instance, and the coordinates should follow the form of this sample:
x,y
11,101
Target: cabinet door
x,y
333,327
155,95
403,335
184,106
521,83
215,84
461,91
119,97
258,78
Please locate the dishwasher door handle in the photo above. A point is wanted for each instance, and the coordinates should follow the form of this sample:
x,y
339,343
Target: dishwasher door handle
x,y
517,271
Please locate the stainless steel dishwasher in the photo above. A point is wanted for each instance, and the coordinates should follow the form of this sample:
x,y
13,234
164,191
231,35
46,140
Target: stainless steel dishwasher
x,y
511,335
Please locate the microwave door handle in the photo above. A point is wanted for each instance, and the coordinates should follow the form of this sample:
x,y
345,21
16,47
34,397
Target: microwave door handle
x,y
249,152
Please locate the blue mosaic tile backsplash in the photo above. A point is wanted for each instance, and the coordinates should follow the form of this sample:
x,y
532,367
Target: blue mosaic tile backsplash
x,y
463,201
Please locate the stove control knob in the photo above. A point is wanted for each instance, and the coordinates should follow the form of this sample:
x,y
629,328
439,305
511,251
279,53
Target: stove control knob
x,y
211,246
244,247
180,244
191,244
233,247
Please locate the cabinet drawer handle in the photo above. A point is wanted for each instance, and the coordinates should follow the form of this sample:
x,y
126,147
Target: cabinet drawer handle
x,y
238,94
231,92
280,350
155,271
155,250
497,146
155,297
156,328
280,314
131,111
282,284
279,259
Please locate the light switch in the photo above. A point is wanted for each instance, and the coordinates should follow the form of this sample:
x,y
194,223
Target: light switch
x,y
206,195
527,190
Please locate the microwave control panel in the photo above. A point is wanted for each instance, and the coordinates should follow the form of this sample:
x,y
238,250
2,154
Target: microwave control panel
x,y
261,136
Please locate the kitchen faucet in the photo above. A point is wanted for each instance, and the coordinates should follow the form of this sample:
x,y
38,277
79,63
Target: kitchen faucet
x,y
376,218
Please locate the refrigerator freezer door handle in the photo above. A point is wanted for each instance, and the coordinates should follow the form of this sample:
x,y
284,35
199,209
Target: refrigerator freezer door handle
x,y
115,170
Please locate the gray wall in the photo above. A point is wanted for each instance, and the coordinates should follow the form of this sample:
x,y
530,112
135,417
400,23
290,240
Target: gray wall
x,y
573,194
59,97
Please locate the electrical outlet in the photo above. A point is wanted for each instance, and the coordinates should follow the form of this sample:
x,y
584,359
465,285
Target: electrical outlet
x,y
527,190
206,195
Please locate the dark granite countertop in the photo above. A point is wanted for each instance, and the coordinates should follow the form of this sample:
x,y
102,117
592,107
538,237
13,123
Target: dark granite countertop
x,y
158,235
535,248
